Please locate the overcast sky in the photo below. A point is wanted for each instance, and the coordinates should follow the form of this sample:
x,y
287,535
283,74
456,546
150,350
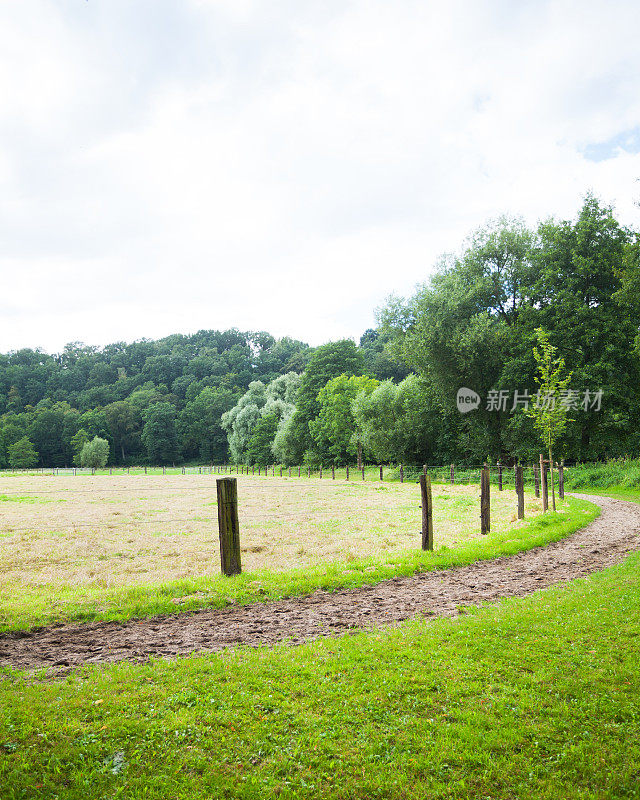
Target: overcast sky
x,y
172,165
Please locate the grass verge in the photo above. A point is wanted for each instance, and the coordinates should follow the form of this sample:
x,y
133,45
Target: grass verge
x,y
617,492
65,604
530,698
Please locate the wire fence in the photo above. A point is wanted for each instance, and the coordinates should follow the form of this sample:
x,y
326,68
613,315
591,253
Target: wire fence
x,y
500,474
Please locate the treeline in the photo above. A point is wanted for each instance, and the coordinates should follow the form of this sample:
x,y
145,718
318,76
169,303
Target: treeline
x,y
156,402
250,398
473,325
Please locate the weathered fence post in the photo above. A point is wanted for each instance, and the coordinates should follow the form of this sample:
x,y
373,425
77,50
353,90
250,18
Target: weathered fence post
x,y
164,470
485,501
321,470
280,471
363,472
381,474
298,471
347,472
289,471
452,475
427,512
145,470
308,472
536,480
401,474
544,487
499,476
561,480
229,526
520,491
333,472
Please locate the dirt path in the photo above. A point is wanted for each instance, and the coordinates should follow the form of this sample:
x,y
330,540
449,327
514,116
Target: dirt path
x,y
604,542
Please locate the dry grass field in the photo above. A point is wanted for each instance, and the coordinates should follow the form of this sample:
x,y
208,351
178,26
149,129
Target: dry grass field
x,y
121,531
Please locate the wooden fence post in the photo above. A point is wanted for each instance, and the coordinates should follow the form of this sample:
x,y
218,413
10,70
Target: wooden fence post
x,y
228,526
381,478
520,491
347,472
280,471
321,470
424,470
401,474
543,486
499,476
485,501
333,472
298,471
363,472
453,475
536,480
561,480
427,512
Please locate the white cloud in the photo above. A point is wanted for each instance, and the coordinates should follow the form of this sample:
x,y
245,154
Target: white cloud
x,y
171,166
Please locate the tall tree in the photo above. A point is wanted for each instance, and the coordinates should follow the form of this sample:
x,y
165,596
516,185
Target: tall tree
x,y
548,410
159,433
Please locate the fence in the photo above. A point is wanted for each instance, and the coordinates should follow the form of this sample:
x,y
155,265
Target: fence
x,y
498,476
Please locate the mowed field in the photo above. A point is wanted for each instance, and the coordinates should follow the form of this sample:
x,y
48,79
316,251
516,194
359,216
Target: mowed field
x,y
110,531
74,536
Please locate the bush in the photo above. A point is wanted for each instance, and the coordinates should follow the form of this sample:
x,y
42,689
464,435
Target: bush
x,y
95,453
22,454
617,472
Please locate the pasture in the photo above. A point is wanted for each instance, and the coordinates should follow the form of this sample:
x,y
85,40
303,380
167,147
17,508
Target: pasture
x,y
74,546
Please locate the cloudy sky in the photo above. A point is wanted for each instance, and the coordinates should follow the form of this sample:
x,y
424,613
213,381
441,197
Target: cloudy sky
x,y
172,165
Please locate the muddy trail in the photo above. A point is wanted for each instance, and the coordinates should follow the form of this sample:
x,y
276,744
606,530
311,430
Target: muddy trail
x,y
604,542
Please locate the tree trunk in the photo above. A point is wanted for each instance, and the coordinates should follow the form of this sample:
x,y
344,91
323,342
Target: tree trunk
x,y
553,488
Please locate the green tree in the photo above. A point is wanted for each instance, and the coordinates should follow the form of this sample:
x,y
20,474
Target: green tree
x,y
582,299
200,425
159,434
335,432
95,453
327,361
240,421
78,441
259,445
22,454
548,411
405,423
125,425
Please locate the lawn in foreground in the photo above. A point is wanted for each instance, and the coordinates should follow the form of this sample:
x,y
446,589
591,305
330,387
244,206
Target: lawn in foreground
x,y
531,698
110,548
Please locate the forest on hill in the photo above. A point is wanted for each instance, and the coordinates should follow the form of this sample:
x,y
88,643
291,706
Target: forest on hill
x,y
228,395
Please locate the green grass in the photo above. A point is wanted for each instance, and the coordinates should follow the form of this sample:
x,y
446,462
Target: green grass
x,y
536,698
40,605
619,472
617,492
